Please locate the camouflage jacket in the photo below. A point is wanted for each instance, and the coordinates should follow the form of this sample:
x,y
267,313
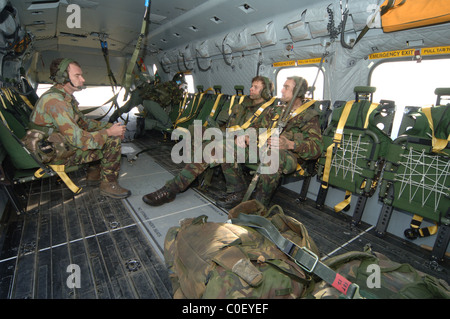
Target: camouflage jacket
x,y
241,113
165,94
303,129
57,111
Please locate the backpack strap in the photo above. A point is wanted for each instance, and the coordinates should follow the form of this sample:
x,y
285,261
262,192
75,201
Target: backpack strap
x,y
302,256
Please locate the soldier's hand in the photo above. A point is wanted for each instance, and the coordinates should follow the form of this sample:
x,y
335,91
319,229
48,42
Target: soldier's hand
x,y
280,142
242,140
117,130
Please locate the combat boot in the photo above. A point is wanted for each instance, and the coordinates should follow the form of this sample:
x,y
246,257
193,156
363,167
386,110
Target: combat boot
x,y
161,196
113,190
93,175
231,200
140,127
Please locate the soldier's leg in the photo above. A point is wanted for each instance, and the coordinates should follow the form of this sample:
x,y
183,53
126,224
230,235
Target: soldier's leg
x,y
268,183
177,184
134,100
234,178
109,157
158,119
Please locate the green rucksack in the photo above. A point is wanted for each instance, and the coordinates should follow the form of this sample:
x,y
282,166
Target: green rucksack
x,y
223,260
381,278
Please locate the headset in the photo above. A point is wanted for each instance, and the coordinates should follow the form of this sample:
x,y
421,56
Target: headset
x,y
267,92
62,76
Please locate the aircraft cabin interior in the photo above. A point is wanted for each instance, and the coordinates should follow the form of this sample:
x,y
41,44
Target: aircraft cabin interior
x,y
376,81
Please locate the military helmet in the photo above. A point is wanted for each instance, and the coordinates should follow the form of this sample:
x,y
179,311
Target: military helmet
x,y
299,81
179,78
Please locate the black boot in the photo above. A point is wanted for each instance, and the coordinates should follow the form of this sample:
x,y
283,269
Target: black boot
x,y
140,127
231,200
161,196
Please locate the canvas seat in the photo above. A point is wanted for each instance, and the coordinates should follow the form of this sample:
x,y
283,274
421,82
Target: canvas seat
x,y
18,165
416,177
354,144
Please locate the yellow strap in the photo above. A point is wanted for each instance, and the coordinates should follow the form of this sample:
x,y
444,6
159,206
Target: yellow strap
x,y
300,169
344,203
213,111
265,135
254,117
337,139
423,232
230,108
372,107
60,170
192,112
437,143
326,170
27,102
4,121
342,121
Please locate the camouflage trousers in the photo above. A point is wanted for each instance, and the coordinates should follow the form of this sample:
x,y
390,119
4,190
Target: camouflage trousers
x,y
108,157
233,177
155,116
268,183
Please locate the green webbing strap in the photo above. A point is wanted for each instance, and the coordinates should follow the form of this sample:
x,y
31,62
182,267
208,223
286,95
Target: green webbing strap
x,y
127,82
302,256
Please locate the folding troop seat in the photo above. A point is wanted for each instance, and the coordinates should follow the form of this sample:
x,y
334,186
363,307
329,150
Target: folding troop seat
x,y
416,176
354,145
18,165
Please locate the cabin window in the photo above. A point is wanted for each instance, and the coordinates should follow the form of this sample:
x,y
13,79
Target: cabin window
x,y
308,72
409,83
90,96
190,83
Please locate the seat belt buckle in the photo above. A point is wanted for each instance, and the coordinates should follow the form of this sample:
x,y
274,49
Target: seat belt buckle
x,y
309,269
353,292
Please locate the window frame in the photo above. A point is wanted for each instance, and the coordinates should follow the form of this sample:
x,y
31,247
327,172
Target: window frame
x,y
279,86
399,107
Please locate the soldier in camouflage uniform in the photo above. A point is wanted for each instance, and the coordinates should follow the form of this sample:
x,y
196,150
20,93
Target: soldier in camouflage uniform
x,y
156,100
300,141
60,134
260,95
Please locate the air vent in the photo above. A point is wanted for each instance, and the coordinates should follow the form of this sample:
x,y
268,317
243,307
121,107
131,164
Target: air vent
x,y
193,28
216,20
43,5
246,8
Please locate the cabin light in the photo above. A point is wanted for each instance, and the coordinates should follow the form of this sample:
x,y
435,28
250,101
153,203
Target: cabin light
x,y
246,8
216,20
193,28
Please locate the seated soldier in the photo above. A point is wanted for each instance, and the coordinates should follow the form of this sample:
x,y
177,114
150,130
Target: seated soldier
x,y
242,115
300,141
61,134
157,99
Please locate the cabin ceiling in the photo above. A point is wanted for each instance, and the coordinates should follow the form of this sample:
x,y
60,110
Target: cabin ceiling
x,y
172,22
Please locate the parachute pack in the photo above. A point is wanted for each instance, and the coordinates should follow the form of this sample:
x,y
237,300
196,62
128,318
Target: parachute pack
x,y
212,260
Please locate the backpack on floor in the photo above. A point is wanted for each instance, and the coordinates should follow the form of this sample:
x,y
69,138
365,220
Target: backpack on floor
x,y
381,278
223,260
